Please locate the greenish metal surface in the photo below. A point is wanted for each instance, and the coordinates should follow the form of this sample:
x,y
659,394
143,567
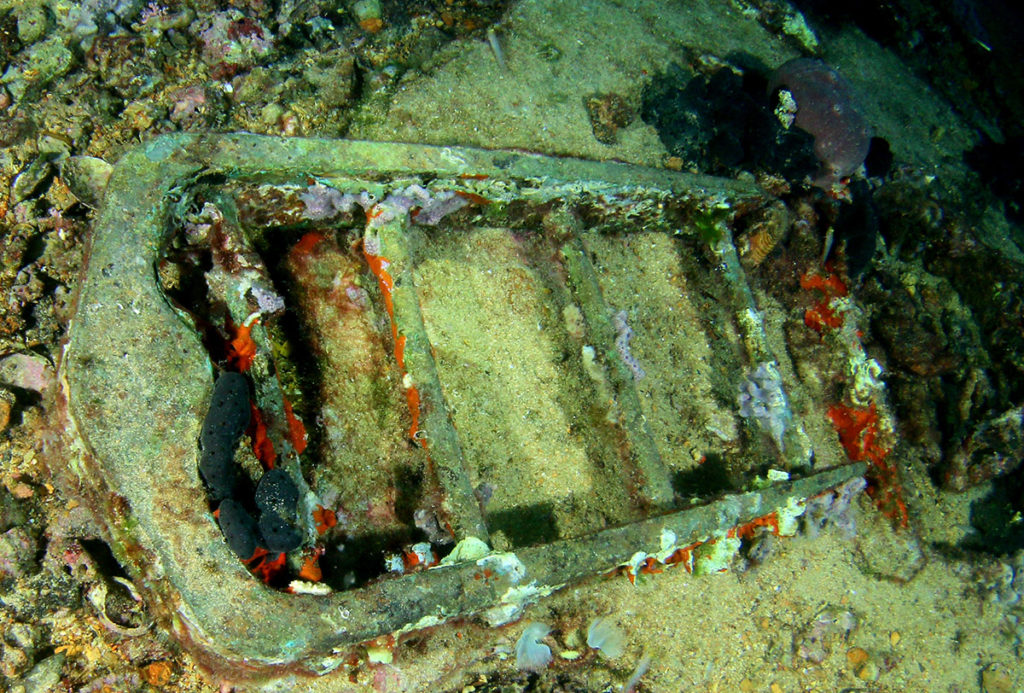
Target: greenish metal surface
x,y
137,383
438,433
652,478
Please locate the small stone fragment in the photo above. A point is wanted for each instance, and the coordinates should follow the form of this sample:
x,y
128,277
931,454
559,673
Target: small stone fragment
x,y
44,676
32,22
18,551
32,179
26,371
86,177
43,62
14,661
608,113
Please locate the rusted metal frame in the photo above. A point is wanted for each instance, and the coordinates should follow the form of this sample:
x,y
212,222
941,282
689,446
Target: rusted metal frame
x,y
147,464
515,579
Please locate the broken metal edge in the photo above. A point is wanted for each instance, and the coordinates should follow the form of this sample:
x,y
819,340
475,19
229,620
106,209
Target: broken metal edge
x,y
137,382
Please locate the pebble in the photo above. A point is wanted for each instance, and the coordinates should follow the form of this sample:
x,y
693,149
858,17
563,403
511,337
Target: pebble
x,y
87,177
44,676
26,371
31,180
12,512
17,553
32,23
856,656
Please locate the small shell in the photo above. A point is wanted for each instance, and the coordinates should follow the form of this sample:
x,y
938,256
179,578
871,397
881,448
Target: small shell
x,y
87,178
764,234
98,597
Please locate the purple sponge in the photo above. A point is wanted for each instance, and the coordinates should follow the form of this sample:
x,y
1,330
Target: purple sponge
x,y
825,108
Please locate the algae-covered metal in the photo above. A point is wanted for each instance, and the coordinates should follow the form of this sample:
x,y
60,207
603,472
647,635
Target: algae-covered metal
x,y
137,379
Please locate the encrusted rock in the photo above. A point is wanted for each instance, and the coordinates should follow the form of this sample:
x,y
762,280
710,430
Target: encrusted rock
x,y
87,177
608,113
18,550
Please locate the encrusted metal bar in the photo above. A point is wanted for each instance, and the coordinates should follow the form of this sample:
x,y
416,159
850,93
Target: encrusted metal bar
x,y
521,577
386,246
648,474
240,281
796,450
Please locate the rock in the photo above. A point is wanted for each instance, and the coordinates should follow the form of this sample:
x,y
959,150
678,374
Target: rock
x,y
19,648
12,511
18,550
608,113
333,76
32,23
32,180
26,371
44,676
87,178
44,62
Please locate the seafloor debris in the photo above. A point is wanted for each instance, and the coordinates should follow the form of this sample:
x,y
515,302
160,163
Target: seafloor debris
x,y
608,113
